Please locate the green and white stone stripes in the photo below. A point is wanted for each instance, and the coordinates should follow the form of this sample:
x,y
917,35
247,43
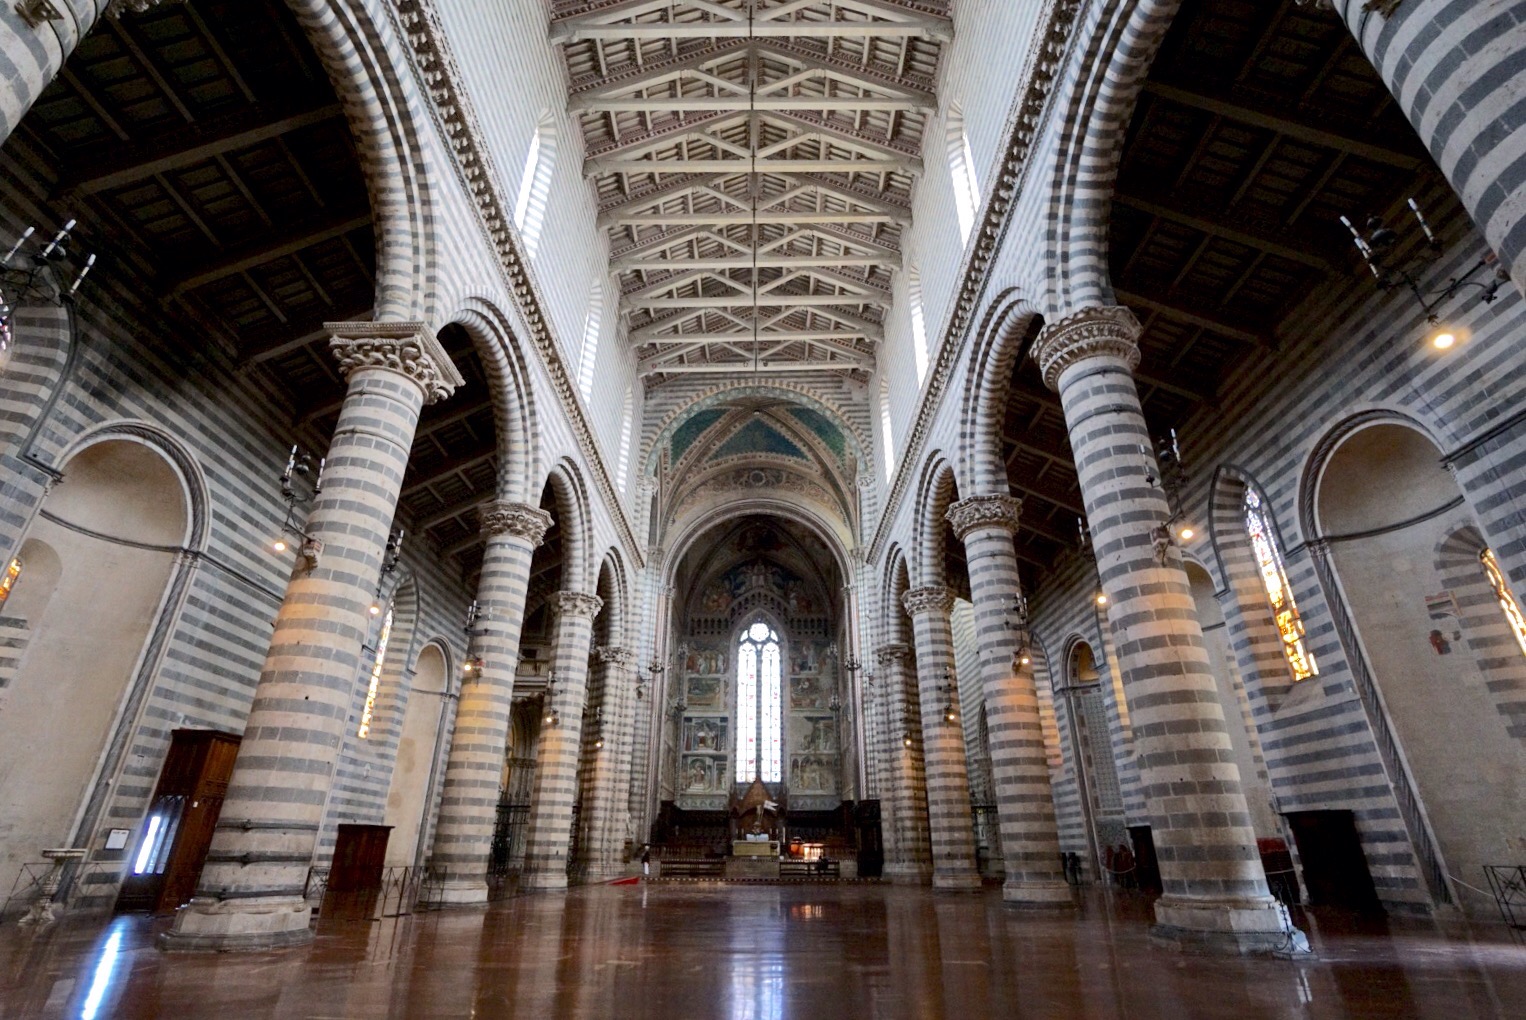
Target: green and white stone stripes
x,y
251,891
604,811
907,858
1019,767
474,769
556,771
1215,889
943,758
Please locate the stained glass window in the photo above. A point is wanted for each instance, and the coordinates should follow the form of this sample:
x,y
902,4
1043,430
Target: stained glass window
x,y
760,706
1505,597
376,673
1274,578
8,580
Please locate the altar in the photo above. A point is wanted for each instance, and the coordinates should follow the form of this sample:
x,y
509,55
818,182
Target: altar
x,y
755,848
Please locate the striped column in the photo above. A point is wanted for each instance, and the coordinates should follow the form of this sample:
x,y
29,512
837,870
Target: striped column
x,y
948,785
32,55
1455,67
556,770
605,810
1030,838
251,891
1215,890
474,769
907,857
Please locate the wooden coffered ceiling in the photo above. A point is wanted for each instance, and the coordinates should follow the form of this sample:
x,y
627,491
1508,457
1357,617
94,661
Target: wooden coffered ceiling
x,y
754,164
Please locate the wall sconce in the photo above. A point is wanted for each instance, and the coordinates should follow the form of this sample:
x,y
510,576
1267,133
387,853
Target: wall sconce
x,y
299,463
1172,480
948,689
473,665
598,728
1378,246
906,738
393,553
551,717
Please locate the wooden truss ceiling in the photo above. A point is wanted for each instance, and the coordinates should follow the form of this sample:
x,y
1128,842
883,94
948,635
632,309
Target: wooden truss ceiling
x,y
206,157
754,161
1260,125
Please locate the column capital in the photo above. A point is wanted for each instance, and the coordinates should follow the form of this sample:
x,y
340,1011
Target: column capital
x,y
933,598
994,511
406,348
1092,332
519,519
614,655
892,653
575,603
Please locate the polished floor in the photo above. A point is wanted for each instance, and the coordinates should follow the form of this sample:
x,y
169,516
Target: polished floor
x,y
673,952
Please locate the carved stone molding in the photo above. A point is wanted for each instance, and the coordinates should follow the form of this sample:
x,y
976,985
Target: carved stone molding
x,y
994,511
932,599
894,653
576,603
1109,330
407,348
519,519
614,655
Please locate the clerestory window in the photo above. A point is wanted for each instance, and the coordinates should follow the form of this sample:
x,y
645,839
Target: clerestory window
x,y
1279,593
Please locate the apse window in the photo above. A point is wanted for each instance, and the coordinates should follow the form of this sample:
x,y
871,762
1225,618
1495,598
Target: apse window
x,y
1274,578
961,165
374,684
535,185
1505,597
760,750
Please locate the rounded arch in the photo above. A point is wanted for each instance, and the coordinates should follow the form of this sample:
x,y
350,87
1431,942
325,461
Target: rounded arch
x,y
570,493
613,588
384,113
1120,39
193,481
939,490
1011,323
897,583
1318,459
697,526
513,394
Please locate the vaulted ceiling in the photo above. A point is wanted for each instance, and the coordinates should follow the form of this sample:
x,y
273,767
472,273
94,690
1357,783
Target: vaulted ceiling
x,y
754,161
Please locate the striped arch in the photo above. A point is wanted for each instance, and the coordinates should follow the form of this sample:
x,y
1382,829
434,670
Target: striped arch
x,y
513,395
614,589
570,492
1120,39
896,583
384,112
1483,624
1010,325
938,491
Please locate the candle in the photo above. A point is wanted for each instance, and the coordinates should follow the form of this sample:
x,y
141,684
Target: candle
x,y
1414,208
17,246
81,277
58,239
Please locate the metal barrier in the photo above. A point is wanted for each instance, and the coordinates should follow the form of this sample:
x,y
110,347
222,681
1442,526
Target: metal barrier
x,y
1508,883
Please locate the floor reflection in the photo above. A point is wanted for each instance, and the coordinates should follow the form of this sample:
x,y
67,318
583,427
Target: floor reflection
x,y
674,952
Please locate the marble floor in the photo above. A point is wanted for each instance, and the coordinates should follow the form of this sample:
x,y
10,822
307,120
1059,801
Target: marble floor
x,y
673,952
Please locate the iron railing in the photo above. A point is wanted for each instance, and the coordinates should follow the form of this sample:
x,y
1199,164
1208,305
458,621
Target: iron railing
x,y
1508,883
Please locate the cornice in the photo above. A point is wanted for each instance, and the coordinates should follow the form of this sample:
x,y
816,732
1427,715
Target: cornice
x,y
435,67
1046,60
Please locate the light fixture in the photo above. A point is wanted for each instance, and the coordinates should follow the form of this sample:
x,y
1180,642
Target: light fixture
x,y
1379,247
279,545
473,664
1101,598
1186,533
906,738
375,609
299,463
42,280
1443,339
598,742
948,689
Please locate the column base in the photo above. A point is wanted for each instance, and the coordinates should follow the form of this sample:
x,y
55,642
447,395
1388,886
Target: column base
x,y
543,881
1038,894
903,873
1228,927
461,892
239,926
957,882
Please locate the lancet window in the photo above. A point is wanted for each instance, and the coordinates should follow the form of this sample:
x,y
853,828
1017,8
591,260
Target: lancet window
x,y
1505,597
376,674
1274,578
760,736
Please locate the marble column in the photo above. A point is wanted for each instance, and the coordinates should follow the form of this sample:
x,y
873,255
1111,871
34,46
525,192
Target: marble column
x,y
943,759
907,859
1030,837
1215,891
251,891
604,812
1456,67
474,768
556,770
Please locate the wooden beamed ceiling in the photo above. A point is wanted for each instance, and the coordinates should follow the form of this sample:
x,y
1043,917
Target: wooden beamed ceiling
x,y
754,164
1260,124
207,159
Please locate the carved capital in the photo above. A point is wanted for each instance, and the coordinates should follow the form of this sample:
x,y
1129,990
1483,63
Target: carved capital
x,y
995,511
932,599
406,348
576,603
614,655
518,519
1090,333
892,654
